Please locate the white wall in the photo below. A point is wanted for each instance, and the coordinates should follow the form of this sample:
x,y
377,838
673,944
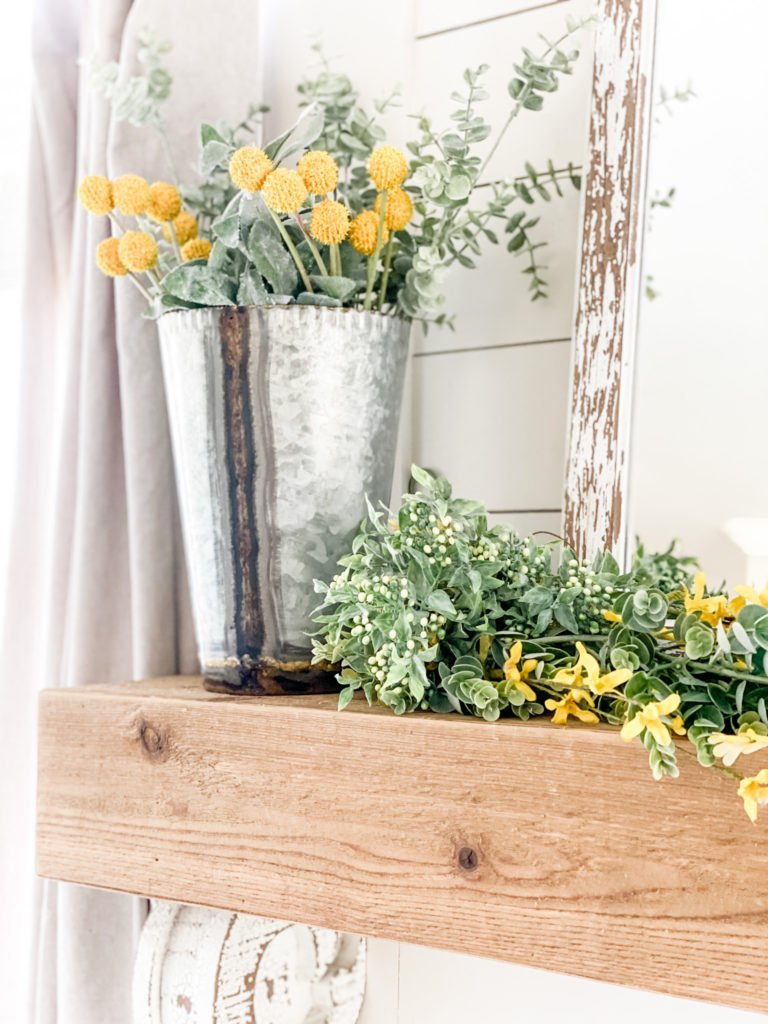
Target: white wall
x,y
487,404
699,454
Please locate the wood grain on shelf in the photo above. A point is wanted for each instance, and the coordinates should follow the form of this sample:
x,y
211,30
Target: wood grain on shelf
x,y
518,841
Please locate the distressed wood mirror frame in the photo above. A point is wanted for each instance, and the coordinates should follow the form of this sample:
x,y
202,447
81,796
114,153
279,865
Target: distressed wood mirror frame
x,y
609,286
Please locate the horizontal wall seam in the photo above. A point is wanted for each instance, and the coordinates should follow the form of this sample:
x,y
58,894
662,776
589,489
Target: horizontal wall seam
x,y
520,511
489,348
487,21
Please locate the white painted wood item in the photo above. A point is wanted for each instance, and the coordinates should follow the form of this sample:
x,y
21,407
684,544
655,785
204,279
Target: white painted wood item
x,y
610,279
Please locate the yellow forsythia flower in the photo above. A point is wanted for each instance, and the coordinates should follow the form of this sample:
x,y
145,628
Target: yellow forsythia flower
x,y
729,747
651,717
284,191
95,194
248,168
164,201
138,250
399,208
319,172
754,792
570,704
363,231
330,222
518,675
387,167
196,249
184,227
131,194
712,608
108,258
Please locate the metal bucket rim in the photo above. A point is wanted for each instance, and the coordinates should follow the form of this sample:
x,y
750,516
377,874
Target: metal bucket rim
x,y
291,309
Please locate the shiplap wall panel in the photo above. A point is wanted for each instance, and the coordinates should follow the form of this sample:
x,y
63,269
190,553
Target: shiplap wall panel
x,y
454,15
558,132
494,422
541,521
491,304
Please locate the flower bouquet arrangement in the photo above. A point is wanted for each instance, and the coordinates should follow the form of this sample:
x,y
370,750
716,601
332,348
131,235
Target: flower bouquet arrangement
x,y
328,213
434,610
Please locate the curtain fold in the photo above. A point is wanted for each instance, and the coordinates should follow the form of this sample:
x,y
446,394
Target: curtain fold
x,y
96,584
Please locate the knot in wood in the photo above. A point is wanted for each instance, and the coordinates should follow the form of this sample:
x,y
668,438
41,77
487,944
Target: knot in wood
x,y
153,739
468,858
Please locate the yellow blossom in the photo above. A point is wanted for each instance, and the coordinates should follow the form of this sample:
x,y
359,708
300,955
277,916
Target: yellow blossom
x,y
137,250
651,717
95,194
519,676
399,209
611,616
363,231
164,201
570,704
249,167
730,747
108,259
330,222
319,172
196,249
131,195
284,191
387,167
712,608
748,595
184,228
754,792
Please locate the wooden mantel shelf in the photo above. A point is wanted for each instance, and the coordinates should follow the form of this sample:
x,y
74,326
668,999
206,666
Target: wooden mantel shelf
x,y
526,842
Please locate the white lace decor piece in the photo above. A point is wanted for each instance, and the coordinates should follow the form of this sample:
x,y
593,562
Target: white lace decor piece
x,y
202,966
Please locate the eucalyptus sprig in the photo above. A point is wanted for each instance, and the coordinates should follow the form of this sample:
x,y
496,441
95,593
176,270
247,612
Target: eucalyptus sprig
x,y
434,609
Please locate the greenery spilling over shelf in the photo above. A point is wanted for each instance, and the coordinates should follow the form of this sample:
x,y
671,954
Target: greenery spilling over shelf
x,y
435,610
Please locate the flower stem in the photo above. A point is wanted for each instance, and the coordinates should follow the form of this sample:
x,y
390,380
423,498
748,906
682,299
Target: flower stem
x,y
387,268
175,241
335,259
293,251
373,259
147,295
312,247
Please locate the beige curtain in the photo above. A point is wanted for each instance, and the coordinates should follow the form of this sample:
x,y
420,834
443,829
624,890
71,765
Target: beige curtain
x,y
96,586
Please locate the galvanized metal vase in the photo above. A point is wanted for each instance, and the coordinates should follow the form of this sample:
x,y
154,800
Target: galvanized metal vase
x,y
282,420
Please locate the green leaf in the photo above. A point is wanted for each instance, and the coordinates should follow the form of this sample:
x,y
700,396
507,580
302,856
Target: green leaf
x,y
215,154
345,696
458,187
300,137
209,134
341,288
272,259
438,601
197,282
251,291
313,299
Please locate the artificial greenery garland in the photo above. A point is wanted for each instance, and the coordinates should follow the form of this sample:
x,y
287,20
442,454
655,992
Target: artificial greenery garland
x,y
436,610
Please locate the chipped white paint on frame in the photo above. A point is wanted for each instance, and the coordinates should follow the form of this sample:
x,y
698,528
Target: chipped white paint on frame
x,y
201,966
610,279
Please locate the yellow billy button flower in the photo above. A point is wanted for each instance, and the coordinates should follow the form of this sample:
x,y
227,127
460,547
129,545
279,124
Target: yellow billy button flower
x,y
387,167
108,259
363,231
518,676
730,747
654,717
249,167
95,194
571,704
712,608
164,201
754,792
184,227
319,172
329,223
196,249
284,191
399,209
137,250
131,195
